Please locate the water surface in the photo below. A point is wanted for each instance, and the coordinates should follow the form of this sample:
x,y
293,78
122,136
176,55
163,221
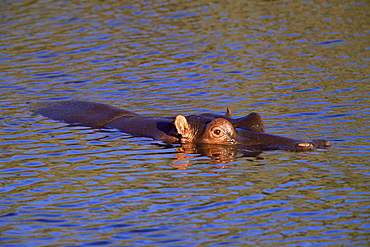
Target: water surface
x,y
303,65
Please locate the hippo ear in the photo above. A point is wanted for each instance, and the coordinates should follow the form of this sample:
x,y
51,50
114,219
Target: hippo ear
x,y
253,122
228,113
182,126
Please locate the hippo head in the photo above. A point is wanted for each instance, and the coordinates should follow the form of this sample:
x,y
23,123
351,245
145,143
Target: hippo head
x,y
198,129
206,129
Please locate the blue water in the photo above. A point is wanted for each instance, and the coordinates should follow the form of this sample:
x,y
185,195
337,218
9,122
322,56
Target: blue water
x,y
303,65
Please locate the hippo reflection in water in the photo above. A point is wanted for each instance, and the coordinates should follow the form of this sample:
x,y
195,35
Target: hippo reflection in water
x,y
246,131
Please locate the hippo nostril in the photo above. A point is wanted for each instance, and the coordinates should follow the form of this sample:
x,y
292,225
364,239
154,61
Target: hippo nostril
x,y
327,143
321,143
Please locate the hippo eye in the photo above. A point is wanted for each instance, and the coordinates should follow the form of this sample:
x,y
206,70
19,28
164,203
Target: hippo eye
x,y
217,132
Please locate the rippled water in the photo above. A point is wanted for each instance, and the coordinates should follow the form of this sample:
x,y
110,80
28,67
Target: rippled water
x,y
304,65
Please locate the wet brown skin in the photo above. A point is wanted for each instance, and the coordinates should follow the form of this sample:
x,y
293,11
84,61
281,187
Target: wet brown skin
x,y
202,128
222,131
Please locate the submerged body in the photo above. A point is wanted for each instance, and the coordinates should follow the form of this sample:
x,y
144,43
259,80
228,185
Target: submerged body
x,y
202,128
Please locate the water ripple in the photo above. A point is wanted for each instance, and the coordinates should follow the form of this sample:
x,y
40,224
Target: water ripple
x,y
64,185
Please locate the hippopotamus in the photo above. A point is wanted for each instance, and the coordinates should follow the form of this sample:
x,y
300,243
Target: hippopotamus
x,y
205,128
